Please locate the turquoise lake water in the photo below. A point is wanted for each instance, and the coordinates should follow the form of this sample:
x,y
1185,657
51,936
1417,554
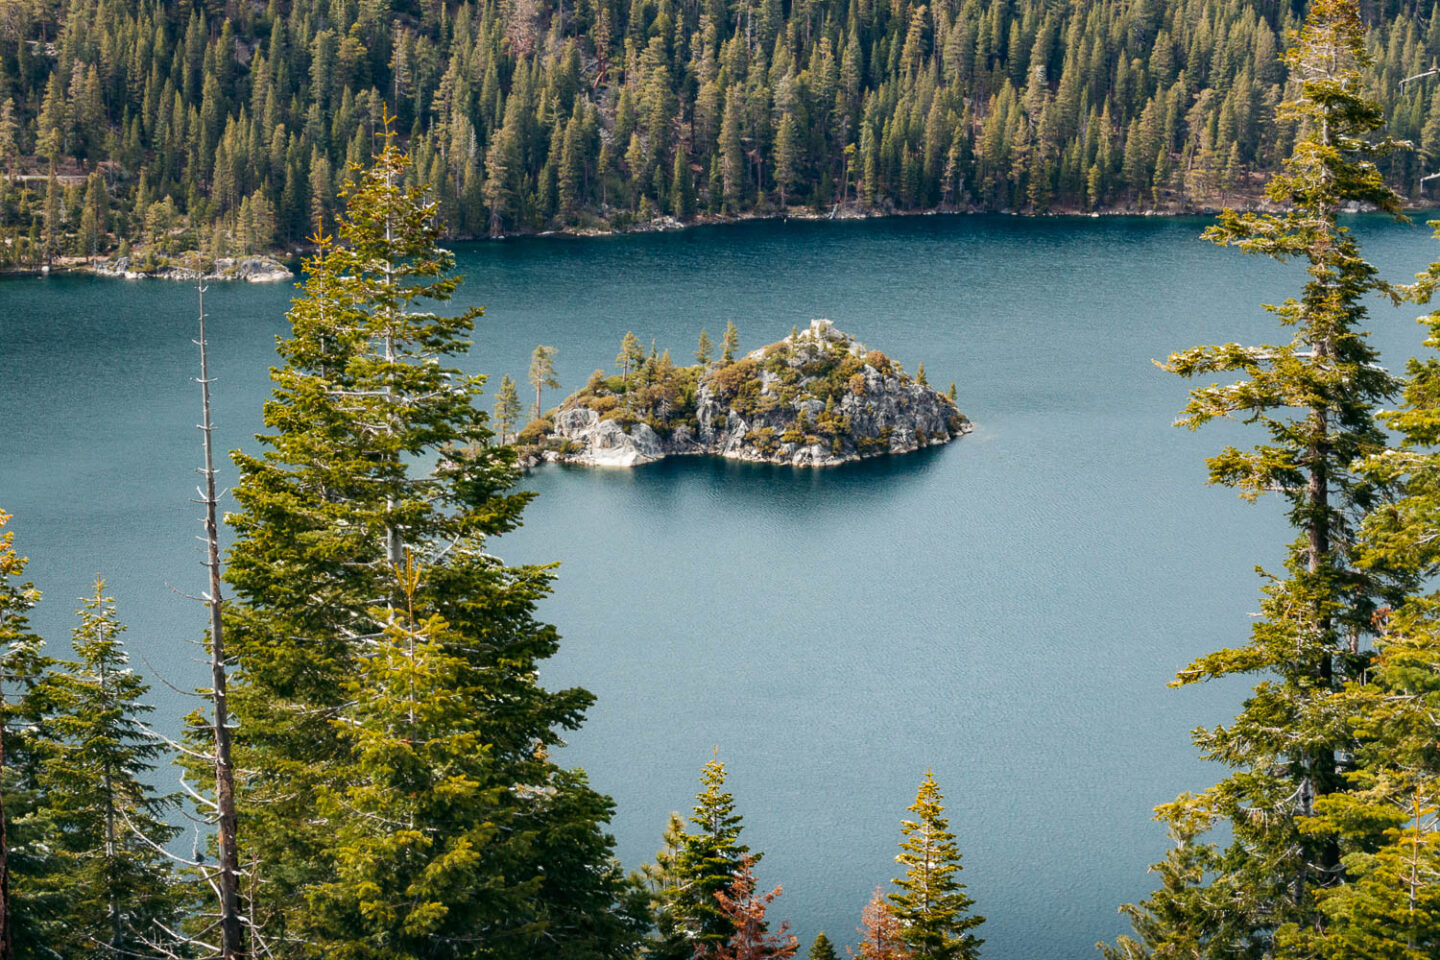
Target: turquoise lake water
x,y
1005,610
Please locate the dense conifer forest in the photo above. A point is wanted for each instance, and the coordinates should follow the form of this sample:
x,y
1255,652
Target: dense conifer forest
x,y
226,126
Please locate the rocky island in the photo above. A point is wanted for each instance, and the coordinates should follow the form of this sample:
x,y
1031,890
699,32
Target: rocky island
x,y
252,269
817,398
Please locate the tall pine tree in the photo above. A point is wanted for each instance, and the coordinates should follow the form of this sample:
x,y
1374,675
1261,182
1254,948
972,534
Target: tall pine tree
x,y
377,445
1315,396
931,905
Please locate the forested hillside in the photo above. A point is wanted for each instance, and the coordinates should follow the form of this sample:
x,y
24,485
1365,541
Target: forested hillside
x,y
227,125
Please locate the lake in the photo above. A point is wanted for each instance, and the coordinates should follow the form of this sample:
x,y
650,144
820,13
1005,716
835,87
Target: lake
x,y
1005,610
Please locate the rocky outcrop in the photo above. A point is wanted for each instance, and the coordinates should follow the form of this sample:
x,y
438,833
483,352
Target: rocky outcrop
x,y
249,269
818,398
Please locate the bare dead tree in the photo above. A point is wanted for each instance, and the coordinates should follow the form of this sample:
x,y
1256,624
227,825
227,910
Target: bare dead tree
x,y
226,880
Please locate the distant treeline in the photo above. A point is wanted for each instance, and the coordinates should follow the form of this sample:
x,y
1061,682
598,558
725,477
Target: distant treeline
x,y
228,125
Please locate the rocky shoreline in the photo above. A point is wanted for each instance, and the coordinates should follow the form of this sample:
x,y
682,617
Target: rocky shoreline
x,y
255,269
819,398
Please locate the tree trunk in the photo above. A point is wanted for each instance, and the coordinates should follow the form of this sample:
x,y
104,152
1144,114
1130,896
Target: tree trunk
x,y
228,878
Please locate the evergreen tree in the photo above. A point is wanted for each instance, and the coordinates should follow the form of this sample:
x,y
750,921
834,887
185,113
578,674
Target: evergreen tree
x,y
705,351
110,824
822,948
881,934
730,343
31,916
542,373
703,864
1316,397
364,402
931,905
507,408
631,355
746,910
1391,905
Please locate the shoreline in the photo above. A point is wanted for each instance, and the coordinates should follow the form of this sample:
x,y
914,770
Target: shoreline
x,y
291,259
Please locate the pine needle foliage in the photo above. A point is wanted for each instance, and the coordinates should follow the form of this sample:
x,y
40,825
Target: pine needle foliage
x,y
930,904
693,868
110,824
377,445
31,915
1316,397
1391,906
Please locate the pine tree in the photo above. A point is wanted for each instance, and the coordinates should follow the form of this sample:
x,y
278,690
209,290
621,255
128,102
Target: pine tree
x,y
507,408
1390,906
920,375
931,905
703,864
111,825
881,934
376,445
542,373
822,948
730,343
705,351
1316,397
631,355
30,919
788,156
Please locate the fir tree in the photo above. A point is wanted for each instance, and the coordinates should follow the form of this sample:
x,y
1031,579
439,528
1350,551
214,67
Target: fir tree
x,y
705,351
31,916
542,373
1316,397
1391,905
730,343
930,904
111,825
702,864
822,948
507,408
378,445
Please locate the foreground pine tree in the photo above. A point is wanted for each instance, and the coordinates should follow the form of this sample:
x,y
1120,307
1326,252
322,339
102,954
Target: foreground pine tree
x,y
1391,906
1315,396
110,825
377,446
693,868
31,916
822,948
930,905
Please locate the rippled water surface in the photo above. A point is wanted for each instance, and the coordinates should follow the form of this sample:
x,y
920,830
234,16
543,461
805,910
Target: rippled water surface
x,y
1005,610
